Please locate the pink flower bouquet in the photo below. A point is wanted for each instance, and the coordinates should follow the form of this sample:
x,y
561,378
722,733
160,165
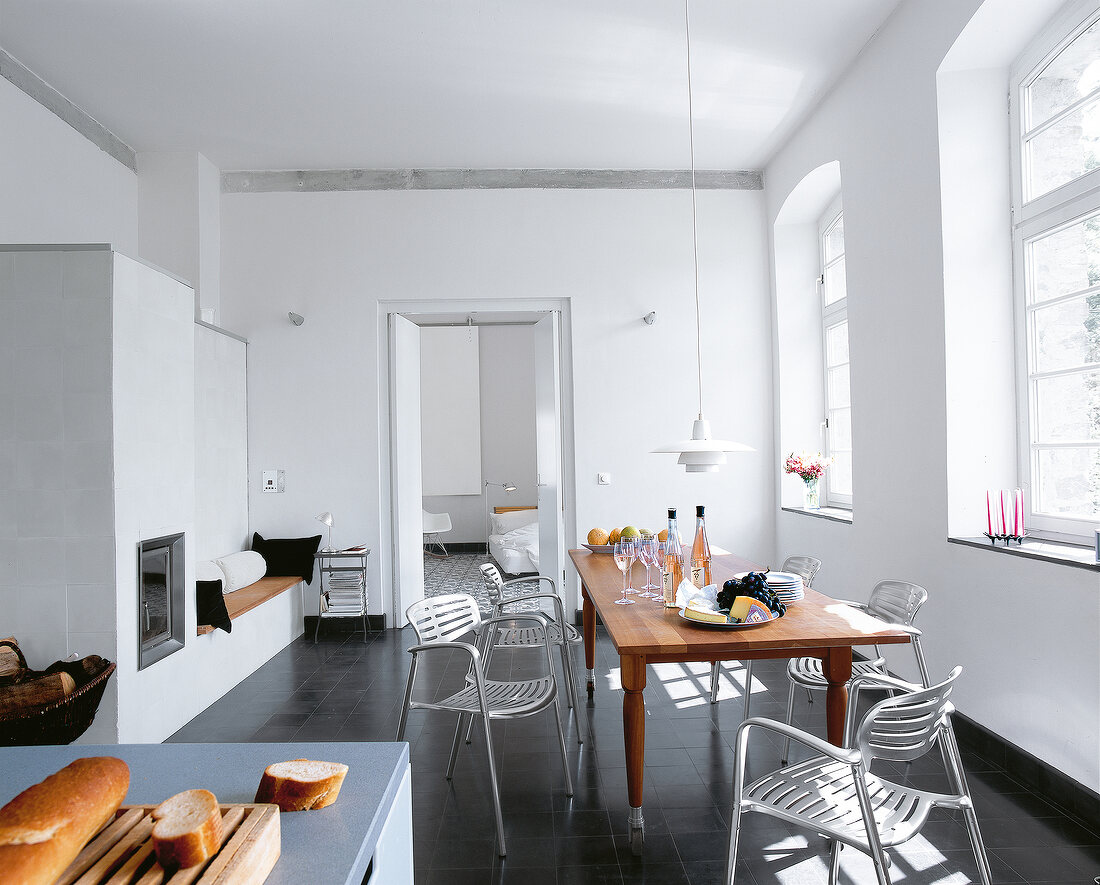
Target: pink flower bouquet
x,y
809,467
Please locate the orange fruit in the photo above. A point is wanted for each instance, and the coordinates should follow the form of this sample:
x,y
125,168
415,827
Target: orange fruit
x,y
597,536
613,538
662,535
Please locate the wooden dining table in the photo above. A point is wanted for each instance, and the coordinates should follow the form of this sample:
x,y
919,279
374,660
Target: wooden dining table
x,y
648,633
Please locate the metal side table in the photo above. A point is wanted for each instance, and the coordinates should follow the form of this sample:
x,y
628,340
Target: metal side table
x,y
341,602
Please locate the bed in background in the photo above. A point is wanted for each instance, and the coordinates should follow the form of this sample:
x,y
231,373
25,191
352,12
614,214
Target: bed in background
x,y
514,539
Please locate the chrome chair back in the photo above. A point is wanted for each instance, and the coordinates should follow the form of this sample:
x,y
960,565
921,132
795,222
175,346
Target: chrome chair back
x,y
806,567
896,602
444,618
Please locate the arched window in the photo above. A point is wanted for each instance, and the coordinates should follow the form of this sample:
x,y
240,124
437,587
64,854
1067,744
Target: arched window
x,y
1055,99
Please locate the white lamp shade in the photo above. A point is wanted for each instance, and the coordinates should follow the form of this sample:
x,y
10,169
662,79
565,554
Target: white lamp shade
x,y
326,518
701,454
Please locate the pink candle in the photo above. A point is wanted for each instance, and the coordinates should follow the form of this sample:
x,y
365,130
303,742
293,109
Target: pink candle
x,y
1022,528
1004,522
988,512
1016,512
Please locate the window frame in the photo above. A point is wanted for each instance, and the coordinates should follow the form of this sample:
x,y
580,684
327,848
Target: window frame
x,y
1031,220
832,315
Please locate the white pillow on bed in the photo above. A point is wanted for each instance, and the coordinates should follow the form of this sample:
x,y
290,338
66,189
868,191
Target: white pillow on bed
x,y
502,523
241,569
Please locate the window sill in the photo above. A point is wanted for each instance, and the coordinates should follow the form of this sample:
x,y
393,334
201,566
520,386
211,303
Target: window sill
x,y
831,513
1045,551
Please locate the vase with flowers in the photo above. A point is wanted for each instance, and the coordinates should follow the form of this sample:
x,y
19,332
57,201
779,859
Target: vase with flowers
x,y
810,468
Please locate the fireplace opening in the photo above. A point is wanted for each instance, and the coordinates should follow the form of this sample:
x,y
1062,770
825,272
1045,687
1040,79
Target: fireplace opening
x,y
160,598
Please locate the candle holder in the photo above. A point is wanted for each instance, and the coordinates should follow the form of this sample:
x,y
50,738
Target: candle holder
x,y
1008,539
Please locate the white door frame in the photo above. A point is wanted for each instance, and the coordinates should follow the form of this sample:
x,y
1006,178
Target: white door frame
x,y
487,310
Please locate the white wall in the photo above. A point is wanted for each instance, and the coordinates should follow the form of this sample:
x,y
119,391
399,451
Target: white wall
x,y
507,383
1034,680
221,445
57,564
58,187
616,255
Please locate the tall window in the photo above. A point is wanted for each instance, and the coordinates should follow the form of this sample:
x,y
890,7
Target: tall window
x,y
1056,245
838,400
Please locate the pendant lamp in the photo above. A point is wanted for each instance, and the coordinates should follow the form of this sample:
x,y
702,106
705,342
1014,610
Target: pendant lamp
x,y
701,453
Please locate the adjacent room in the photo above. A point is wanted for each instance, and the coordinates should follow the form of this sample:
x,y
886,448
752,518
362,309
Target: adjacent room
x,y
554,442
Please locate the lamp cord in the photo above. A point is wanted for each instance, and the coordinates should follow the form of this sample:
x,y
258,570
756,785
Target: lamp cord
x,y
694,214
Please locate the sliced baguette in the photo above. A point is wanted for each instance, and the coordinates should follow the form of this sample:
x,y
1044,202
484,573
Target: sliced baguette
x,y
44,828
302,784
188,829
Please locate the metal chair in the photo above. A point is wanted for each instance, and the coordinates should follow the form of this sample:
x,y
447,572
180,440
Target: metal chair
x,y
806,567
896,603
835,793
440,622
560,632
435,524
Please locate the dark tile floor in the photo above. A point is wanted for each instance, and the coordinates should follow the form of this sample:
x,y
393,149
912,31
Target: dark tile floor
x,y
345,689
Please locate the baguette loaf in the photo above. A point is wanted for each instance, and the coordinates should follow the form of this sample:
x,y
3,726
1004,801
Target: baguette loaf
x,y
301,785
43,829
188,829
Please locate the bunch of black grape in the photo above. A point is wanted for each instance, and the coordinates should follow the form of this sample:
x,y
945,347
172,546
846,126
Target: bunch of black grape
x,y
753,585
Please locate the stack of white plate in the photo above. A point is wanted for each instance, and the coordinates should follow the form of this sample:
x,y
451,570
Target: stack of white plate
x,y
786,585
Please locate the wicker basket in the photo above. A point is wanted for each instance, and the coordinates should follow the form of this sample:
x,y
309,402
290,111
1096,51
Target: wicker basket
x,y
61,722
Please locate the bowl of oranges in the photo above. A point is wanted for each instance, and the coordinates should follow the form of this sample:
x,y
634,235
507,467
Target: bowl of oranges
x,y
604,541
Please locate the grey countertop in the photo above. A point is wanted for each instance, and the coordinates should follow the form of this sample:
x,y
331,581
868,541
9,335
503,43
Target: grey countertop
x,y
333,845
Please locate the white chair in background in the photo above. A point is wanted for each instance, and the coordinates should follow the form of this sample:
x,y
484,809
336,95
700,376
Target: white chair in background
x,y
435,524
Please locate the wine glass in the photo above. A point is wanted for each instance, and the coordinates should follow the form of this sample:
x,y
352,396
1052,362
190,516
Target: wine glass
x,y
660,549
631,547
647,556
624,555
654,553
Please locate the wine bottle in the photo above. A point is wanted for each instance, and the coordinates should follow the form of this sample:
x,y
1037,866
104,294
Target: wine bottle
x,y
700,552
672,571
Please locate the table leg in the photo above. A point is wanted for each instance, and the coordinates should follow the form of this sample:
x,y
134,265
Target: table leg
x,y
632,671
837,667
588,625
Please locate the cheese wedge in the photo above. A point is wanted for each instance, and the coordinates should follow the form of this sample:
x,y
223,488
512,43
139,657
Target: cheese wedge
x,y
705,615
746,610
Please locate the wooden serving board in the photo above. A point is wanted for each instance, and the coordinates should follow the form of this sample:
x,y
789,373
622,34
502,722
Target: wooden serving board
x,y
122,852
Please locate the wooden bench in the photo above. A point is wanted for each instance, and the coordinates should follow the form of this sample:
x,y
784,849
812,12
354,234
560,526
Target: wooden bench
x,y
247,598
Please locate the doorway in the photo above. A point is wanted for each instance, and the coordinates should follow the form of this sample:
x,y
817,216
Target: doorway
x,y
403,322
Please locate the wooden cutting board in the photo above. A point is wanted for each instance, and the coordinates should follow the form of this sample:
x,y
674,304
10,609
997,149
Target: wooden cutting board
x,y
122,852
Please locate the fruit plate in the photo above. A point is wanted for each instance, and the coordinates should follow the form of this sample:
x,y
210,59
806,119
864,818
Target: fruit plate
x,y
601,548
684,617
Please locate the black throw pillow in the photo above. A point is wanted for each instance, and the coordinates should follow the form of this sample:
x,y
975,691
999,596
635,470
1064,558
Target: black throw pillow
x,y
286,557
211,605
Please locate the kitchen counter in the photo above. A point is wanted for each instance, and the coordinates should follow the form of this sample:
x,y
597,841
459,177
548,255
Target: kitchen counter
x,y
371,821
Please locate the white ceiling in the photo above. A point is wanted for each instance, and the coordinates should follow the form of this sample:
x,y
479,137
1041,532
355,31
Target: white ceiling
x,y
315,84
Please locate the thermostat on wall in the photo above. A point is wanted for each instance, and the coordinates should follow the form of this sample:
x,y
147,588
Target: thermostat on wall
x,y
274,481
